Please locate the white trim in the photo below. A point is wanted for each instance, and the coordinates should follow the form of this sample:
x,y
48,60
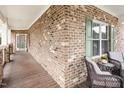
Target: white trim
x,y
98,56
94,57
100,22
99,39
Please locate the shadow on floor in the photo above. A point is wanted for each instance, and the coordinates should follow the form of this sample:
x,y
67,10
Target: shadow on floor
x,y
82,85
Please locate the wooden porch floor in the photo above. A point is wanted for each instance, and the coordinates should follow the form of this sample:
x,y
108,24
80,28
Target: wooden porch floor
x,y
25,72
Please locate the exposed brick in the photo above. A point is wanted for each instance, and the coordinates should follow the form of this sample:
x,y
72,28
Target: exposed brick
x,y
57,41
11,48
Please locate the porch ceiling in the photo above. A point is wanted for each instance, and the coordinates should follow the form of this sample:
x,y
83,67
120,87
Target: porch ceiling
x,y
116,10
21,17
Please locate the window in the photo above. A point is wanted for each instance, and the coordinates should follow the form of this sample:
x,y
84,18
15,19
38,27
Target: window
x,y
100,38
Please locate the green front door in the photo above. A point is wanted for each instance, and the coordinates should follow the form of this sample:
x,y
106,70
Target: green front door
x,y
21,43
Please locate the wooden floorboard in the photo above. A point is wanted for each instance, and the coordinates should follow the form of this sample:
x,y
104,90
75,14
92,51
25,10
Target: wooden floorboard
x,y
25,72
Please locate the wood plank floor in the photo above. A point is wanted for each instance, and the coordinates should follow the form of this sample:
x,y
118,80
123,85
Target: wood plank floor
x,y
25,72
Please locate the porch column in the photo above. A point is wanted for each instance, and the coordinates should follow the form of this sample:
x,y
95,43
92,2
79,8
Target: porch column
x,y
9,36
4,34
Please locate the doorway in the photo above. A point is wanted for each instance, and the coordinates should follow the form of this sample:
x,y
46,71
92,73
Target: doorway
x,y
21,42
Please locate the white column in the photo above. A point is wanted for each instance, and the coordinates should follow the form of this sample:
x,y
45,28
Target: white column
x,y
4,35
9,36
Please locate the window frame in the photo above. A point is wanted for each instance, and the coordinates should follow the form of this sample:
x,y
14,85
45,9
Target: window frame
x,y
100,39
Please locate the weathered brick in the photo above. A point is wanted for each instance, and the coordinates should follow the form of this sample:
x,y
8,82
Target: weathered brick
x,y
57,41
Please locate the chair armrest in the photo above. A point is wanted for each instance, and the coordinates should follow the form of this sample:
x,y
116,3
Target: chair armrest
x,y
115,62
99,72
122,70
105,73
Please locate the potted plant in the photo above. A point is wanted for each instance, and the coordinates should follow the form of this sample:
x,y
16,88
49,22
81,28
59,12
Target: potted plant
x,y
104,59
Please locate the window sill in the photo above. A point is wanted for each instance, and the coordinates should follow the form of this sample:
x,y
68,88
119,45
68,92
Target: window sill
x,y
98,57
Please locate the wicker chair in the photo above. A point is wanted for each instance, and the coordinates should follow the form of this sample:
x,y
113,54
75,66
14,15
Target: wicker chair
x,y
101,79
117,59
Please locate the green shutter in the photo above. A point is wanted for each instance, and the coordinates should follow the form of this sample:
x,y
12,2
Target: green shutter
x,y
112,39
88,37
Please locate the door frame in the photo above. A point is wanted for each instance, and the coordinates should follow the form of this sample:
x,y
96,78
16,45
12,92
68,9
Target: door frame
x,y
23,49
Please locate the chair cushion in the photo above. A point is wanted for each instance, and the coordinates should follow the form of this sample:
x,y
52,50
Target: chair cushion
x,y
116,55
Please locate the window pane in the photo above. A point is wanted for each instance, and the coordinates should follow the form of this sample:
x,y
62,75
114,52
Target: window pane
x,y
96,46
104,46
104,31
95,30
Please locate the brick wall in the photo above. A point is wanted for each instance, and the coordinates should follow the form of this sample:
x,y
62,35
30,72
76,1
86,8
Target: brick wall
x,y
4,54
76,71
119,40
57,41
47,38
